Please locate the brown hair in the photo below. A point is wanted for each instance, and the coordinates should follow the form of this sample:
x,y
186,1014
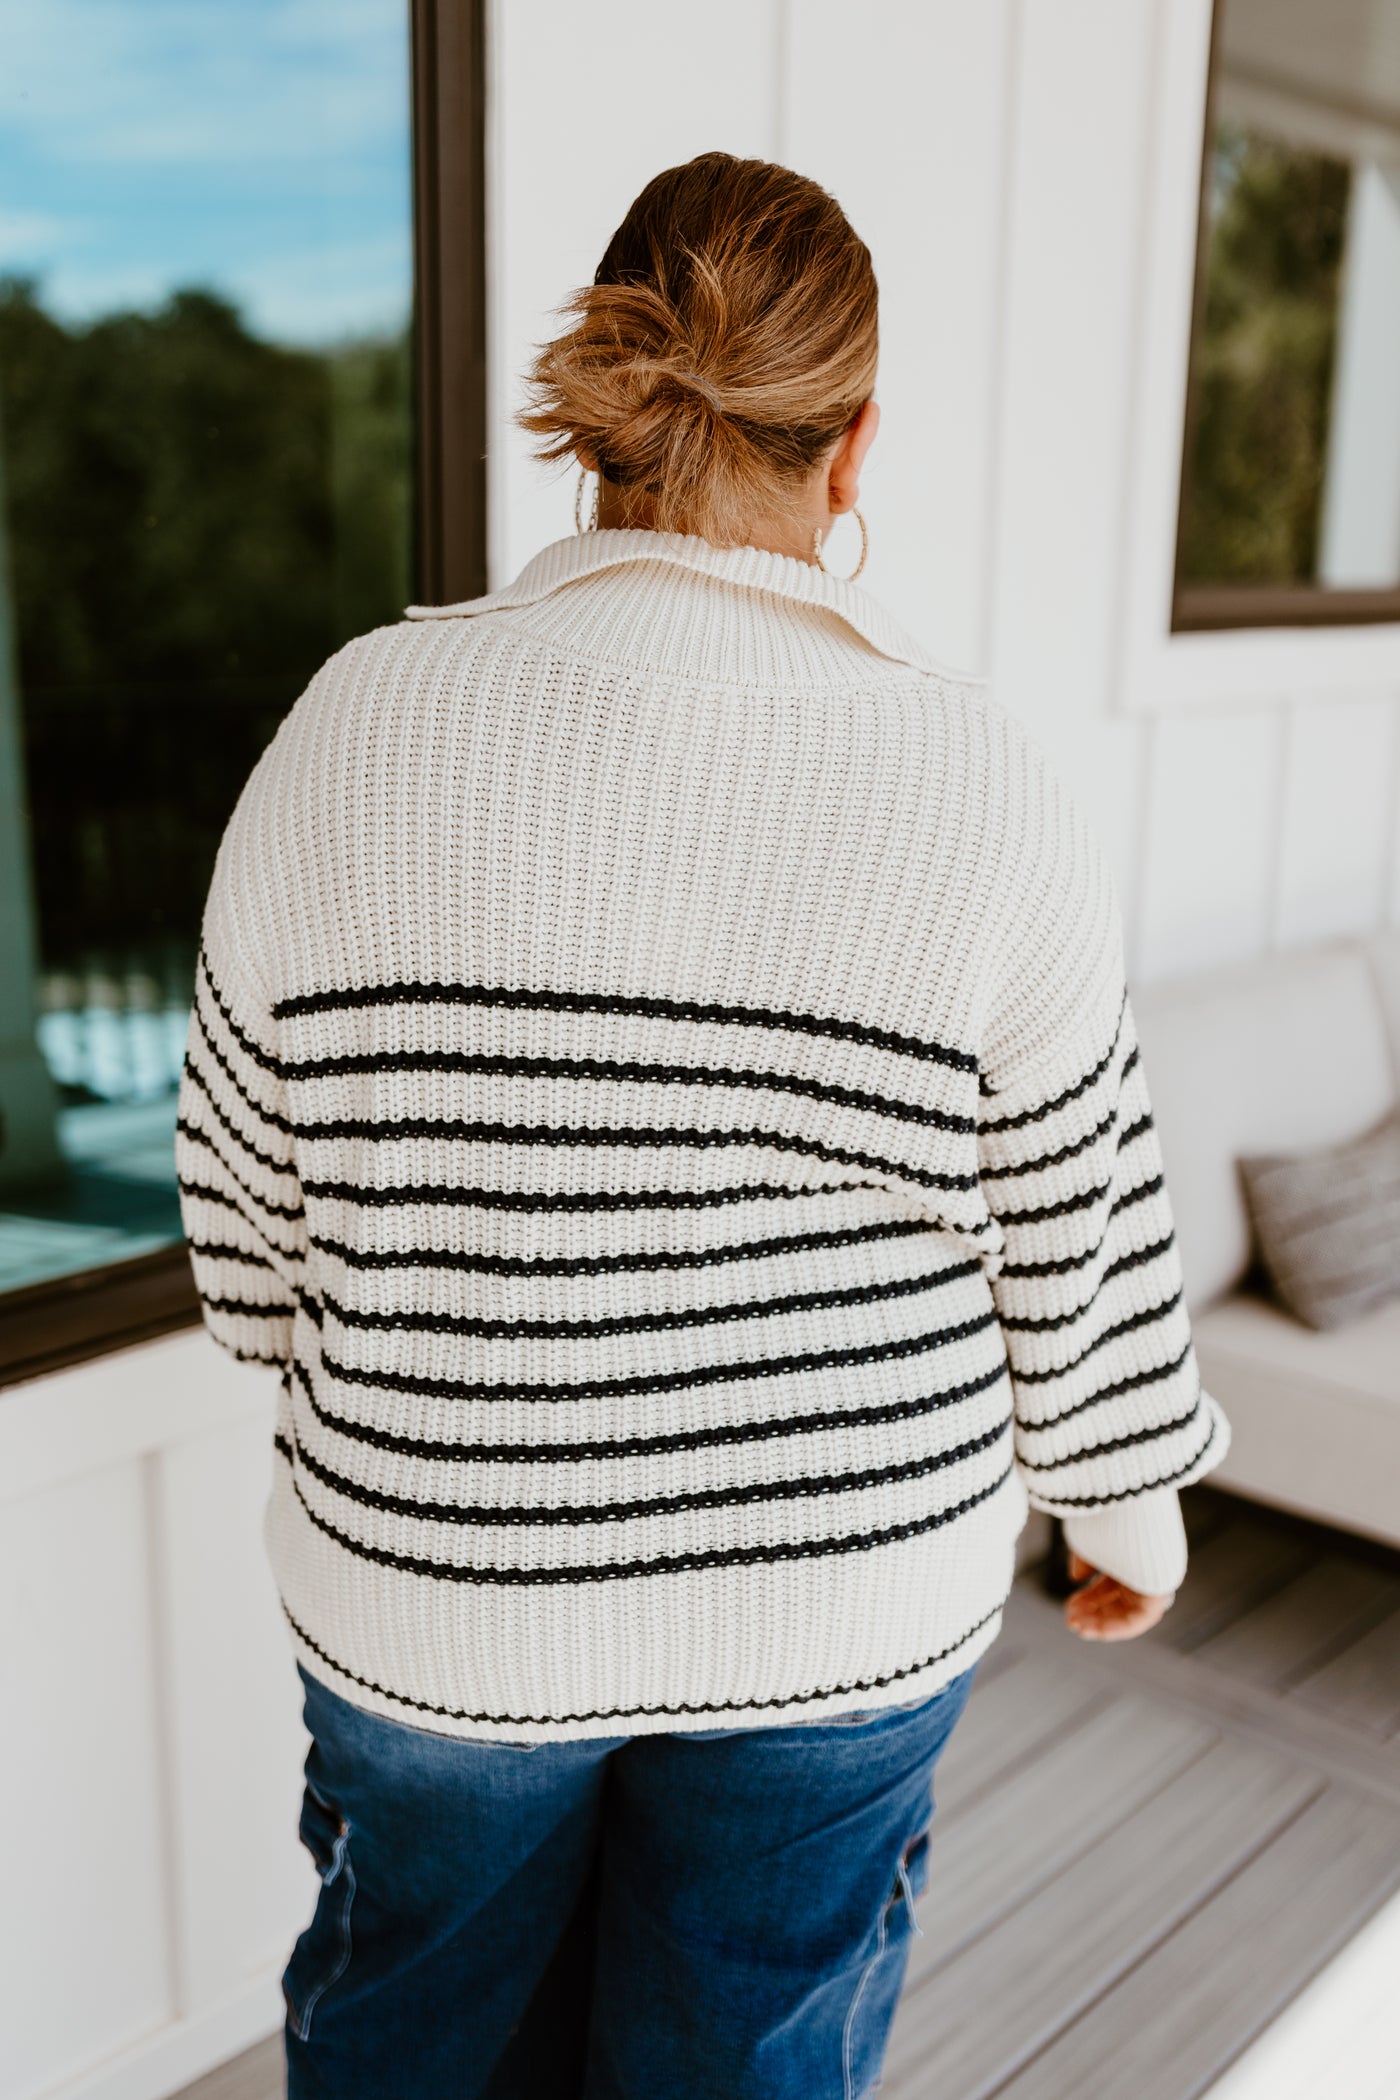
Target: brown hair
x,y
727,341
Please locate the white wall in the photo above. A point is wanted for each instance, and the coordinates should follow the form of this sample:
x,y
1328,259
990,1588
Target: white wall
x,y
1024,171
150,1733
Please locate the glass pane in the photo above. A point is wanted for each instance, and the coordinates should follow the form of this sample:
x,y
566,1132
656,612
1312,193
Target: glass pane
x,y
1293,469
205,435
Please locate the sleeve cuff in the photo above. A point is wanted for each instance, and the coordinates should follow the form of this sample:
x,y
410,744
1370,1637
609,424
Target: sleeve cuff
x,y
1141,1540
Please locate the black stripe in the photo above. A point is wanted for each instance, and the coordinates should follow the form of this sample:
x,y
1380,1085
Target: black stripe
x,y
1053,1159
219,1250
666,1564
1140,1255
1120,1386
1089,1196
246,1305
1066,1207
264,1115
196,1191
1144,1189
1049,1325
609,1264
264,1159
196,1136
1144,1318
659,1137
1144,1487
1070,1262
527,1000
613,1069
666,1381
648,1323
1081,1086
1116,1443
571,1199
801,1487
1064,1266
768,1429
622,1713
245,1043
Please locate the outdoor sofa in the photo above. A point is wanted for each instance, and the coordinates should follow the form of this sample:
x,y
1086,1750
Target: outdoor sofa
x,y
1297,1052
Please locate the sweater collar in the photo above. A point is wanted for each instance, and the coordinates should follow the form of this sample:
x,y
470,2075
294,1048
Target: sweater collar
x,y
750,568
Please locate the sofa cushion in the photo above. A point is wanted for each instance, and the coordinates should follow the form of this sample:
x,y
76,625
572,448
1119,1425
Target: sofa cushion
x,y
1383,954
1361,1360
1314,1418
1279,1056
1327,1224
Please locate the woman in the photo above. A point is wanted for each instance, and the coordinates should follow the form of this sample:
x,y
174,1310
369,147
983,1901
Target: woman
x,y
662,1090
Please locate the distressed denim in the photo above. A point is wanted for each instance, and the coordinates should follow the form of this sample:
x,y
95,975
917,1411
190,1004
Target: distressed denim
x,y
660,1917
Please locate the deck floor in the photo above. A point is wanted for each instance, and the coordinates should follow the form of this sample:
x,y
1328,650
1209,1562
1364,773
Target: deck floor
x,y
1144,1851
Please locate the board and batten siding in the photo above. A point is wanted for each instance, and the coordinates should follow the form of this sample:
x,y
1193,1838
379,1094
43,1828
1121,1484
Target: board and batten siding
x,y
1024,171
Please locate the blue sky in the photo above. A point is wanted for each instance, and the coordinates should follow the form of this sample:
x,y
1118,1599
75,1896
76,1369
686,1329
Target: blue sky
x,y
256,146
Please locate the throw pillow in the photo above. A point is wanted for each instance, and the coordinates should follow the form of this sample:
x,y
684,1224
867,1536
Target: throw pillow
x,y
1327,1224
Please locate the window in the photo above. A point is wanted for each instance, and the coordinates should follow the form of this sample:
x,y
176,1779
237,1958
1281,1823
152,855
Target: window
x,y
213,410
1290,508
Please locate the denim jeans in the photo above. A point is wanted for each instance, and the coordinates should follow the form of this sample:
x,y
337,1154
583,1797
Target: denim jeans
x,y
725,1913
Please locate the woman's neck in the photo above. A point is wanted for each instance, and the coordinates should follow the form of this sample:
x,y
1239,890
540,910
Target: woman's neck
x,y
622,510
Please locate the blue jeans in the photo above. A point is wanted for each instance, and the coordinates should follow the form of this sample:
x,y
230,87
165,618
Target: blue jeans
x,y
725,1913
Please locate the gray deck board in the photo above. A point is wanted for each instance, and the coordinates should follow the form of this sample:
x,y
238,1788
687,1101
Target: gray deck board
x,y
980,2016
986,1861
1332,1746
1342,1852
258,2074
1230,1573
1008,1721
1362,1685
1310,1620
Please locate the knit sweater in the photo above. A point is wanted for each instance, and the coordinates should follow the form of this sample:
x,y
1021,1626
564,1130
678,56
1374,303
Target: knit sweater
x,y
661,1089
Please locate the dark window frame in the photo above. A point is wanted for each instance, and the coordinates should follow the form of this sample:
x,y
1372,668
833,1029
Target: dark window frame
x,y
1213,608
69,1319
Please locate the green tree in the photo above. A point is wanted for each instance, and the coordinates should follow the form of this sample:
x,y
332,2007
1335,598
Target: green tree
x,y
198,518
1263,363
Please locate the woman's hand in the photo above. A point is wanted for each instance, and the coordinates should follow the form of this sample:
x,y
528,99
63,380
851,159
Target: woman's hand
x,y
1105,1609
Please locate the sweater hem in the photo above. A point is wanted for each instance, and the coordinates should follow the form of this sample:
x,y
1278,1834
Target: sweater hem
x,y
900,1687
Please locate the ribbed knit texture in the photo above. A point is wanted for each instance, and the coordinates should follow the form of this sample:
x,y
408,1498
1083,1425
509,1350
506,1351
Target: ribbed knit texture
x,y
661,1086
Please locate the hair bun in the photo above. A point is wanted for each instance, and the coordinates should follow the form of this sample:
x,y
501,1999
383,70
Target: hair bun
x,y
727,341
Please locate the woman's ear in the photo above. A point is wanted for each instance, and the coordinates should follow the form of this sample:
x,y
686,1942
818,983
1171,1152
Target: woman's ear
x,y
843,475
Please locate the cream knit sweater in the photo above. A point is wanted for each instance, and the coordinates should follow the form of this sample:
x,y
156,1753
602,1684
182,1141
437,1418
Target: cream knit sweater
x,y
661,1087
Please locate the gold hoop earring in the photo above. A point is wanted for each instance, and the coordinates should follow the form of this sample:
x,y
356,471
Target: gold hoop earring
x,y
592,525
864,548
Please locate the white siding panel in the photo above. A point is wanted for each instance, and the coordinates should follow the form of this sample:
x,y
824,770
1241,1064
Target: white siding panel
x,y
1102,762
918,164
84,1951
588,104
1209,851
1081,122
94,1415
244,1885
1337,819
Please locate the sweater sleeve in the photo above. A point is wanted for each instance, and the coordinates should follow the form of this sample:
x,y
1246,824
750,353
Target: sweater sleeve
x,y
240,1195
1142,1541
1110,1415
